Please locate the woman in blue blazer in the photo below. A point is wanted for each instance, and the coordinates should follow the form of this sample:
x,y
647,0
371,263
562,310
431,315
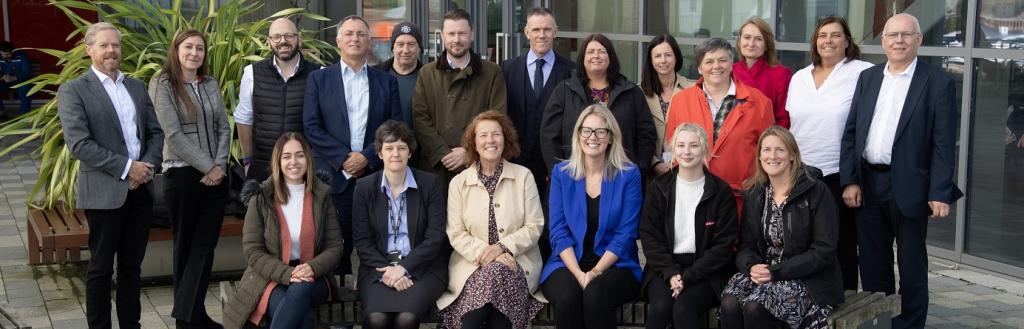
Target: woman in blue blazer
x,y
595,203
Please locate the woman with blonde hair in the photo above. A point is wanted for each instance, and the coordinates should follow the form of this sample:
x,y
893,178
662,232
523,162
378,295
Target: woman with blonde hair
x,y
688,228
786,257
594,204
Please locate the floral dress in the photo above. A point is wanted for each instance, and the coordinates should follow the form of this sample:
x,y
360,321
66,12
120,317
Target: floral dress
x,y
789,301
504,288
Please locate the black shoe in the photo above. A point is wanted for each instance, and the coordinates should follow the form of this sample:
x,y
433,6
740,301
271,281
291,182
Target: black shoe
x,y
208,323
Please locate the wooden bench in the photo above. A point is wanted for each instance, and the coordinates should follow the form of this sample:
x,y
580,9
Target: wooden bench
x,y
860,308
59,235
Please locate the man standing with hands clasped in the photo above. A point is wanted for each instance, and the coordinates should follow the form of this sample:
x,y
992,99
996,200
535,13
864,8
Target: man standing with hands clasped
x,y
896,165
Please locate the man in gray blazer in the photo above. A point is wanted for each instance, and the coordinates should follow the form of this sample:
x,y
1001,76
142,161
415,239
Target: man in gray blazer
x,y
110,127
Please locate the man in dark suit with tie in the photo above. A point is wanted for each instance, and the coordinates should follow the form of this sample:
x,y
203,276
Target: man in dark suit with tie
x,y
110,127
897,163
530,78
344,105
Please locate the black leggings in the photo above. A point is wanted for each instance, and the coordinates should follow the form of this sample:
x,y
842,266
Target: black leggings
x,y
684,311
485,317
594,307
382,320
751,315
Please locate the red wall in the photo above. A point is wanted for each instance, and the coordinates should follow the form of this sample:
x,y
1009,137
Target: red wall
x,y
36,24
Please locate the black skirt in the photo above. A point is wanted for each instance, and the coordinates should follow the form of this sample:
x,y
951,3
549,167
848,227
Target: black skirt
x,y
376,297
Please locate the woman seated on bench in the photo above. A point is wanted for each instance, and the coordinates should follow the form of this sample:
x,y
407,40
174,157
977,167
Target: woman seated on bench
x,y
787,260
398,223
291,241
688,228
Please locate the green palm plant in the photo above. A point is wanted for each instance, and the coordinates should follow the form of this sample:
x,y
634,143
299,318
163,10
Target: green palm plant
x,y
147,30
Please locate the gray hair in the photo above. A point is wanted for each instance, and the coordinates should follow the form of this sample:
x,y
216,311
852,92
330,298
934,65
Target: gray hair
x,y
90,34
711,45
353,17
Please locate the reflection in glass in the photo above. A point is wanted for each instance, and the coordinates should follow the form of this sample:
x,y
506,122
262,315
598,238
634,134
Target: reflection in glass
x,y
598,16
382,15
995,219
1001,24
702,18
941,20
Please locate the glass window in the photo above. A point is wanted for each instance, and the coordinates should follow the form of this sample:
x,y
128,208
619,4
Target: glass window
x,y
702,18
382,15
1000,24
941,21
626,50
597,16
995,226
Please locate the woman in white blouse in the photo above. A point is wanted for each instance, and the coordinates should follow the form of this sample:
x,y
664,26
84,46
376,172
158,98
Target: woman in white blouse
x,y
819,101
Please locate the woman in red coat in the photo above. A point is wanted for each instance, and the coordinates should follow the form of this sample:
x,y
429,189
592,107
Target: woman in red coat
x,y
759,66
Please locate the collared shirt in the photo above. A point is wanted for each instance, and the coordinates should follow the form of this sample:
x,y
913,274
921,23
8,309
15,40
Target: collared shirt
x,y
451,64
357,97
531,64
125,107
398,240
817,115
711,101
243,111
888,108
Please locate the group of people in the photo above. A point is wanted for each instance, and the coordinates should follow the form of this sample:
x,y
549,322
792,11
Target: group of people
x,y
486,191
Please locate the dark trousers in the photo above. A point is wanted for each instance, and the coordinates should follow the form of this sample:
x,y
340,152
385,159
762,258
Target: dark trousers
x,y
122,232
879,223
197,212
291,306
22,93
343,205
846,249
683,311
594,307
258,170
540,173
485,317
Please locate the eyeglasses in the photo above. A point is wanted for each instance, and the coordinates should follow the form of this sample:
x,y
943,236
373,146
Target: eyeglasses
x,y
900,35
287,36
601,133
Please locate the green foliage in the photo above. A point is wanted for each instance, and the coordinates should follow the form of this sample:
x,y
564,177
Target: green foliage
x,y
147,30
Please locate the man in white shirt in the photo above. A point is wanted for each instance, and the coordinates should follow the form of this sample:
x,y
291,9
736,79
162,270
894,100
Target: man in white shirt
x,y
110,127
343,106
270,97
896,165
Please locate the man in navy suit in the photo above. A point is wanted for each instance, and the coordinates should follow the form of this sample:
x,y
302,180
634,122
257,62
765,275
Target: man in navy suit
x,y
530,78
344,105
896,165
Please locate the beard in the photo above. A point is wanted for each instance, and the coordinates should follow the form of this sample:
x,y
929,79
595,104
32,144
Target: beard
x,y
459,54
285,55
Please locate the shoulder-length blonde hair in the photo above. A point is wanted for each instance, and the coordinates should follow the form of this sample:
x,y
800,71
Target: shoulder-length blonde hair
x,y
614,156
702,138
760,176
281,193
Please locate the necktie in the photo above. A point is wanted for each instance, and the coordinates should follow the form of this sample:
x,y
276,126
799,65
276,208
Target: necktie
x,y
538,77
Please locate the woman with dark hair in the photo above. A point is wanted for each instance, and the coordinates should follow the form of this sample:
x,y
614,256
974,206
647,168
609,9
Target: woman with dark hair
x,y
494,222
598,80
688,228
594,205
398,223
819,101
786,257
759,66
197,141
660,82
291,242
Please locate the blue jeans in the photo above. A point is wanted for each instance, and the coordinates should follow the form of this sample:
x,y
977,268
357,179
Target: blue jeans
x,y
291,306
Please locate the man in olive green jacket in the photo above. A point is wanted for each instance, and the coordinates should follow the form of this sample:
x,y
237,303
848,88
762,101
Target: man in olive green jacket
x,y
450,92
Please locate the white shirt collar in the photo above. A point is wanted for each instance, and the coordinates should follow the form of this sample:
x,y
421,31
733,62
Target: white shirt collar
x,y
908,72
549,57
732,89
104,77
345,69
294,69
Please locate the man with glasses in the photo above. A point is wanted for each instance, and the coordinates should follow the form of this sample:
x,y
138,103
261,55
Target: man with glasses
x,y
344,105
896,165
450,92
270,97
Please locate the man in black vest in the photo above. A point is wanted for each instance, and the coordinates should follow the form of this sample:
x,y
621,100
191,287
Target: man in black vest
x,y
270,98
530,79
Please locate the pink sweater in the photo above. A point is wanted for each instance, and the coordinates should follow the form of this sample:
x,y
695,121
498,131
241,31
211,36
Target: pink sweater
x,y
773,82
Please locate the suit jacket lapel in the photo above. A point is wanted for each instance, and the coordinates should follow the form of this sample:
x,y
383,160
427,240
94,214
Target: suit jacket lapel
x,y
372,116
866,112
604,207
339,93
914,94
96,88
140,112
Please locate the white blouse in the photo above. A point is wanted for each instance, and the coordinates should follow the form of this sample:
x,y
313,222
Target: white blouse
x,y
818,115
687,197
293,216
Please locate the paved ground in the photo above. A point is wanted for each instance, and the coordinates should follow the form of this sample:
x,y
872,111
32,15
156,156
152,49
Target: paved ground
x,y
53,296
